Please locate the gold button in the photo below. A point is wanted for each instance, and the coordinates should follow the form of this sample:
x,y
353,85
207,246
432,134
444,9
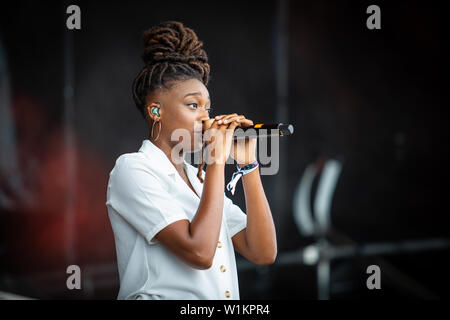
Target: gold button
x,y
227,294
219,244
222,268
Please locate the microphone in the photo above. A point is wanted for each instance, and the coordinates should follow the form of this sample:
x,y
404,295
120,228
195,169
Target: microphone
x,y
263,130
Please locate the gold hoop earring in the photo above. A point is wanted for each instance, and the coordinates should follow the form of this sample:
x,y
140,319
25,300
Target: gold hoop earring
x,y
158,131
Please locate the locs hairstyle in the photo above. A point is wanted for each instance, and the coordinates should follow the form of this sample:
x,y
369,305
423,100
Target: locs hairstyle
x,y
172,53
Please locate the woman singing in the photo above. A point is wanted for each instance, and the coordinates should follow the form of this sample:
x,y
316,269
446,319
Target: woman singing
x,y
175,229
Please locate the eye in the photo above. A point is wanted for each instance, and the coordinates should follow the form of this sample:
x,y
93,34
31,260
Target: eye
x,y
195,106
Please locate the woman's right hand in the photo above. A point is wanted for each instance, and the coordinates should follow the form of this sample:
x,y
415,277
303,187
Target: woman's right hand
x,y
218,136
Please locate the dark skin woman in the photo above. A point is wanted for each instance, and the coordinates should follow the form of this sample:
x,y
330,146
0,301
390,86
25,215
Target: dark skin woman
x,y
174,84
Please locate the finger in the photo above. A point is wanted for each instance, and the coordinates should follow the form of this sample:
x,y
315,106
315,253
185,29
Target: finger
x,y
229,129
210,133
219,117
232,118
207,124
215,125
246,122
223,126
233,126
228,116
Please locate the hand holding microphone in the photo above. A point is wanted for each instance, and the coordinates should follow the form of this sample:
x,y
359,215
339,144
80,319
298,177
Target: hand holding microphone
x,y
260,130
218,136
243,152
246,130
243,141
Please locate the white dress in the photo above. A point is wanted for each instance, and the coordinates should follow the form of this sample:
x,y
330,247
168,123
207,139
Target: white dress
x,y
145,194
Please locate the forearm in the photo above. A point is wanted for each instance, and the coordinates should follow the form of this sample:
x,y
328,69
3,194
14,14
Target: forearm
x,y
260,231
205,227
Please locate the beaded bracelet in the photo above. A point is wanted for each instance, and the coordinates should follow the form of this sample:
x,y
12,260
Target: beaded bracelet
x,y
239,173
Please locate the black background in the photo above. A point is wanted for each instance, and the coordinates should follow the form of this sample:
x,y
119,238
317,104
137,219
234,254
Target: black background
x,y
375,98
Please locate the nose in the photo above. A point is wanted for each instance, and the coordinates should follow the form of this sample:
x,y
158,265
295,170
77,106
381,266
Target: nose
x,y
205,113
204,116
201,120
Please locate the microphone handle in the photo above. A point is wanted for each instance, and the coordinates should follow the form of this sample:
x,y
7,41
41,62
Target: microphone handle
x,y
263,130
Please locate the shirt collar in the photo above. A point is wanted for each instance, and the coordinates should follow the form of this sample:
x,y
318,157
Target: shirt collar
x,y
158,158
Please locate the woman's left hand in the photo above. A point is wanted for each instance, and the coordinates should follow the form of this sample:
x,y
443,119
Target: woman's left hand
x,y
244,150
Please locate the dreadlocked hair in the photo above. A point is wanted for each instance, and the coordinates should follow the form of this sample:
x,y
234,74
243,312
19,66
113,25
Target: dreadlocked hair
x,y
172,53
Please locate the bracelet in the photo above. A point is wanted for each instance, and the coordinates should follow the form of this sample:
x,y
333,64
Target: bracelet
x,y
239,173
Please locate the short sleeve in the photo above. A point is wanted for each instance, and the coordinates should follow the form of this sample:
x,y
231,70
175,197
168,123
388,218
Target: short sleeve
x,y
138,197
236,219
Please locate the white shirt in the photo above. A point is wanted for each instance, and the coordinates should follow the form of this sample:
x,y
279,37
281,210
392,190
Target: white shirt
x,y
145,194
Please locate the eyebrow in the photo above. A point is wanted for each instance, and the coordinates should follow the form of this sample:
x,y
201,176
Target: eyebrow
x,y
195,94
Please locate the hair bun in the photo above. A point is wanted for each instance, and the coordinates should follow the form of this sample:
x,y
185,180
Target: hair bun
x,y
171,41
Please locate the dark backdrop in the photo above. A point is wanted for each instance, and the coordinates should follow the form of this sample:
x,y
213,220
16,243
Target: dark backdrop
x,y
376,99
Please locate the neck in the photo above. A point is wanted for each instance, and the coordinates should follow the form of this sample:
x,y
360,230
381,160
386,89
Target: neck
x,y
166,146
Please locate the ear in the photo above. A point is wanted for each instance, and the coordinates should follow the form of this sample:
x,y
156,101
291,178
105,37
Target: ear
x,y
152,111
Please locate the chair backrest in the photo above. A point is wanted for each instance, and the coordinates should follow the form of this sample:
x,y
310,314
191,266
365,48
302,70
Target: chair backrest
x,y
318,222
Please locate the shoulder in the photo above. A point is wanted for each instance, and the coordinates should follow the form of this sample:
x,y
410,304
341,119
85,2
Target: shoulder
x,y
128,160
128,165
